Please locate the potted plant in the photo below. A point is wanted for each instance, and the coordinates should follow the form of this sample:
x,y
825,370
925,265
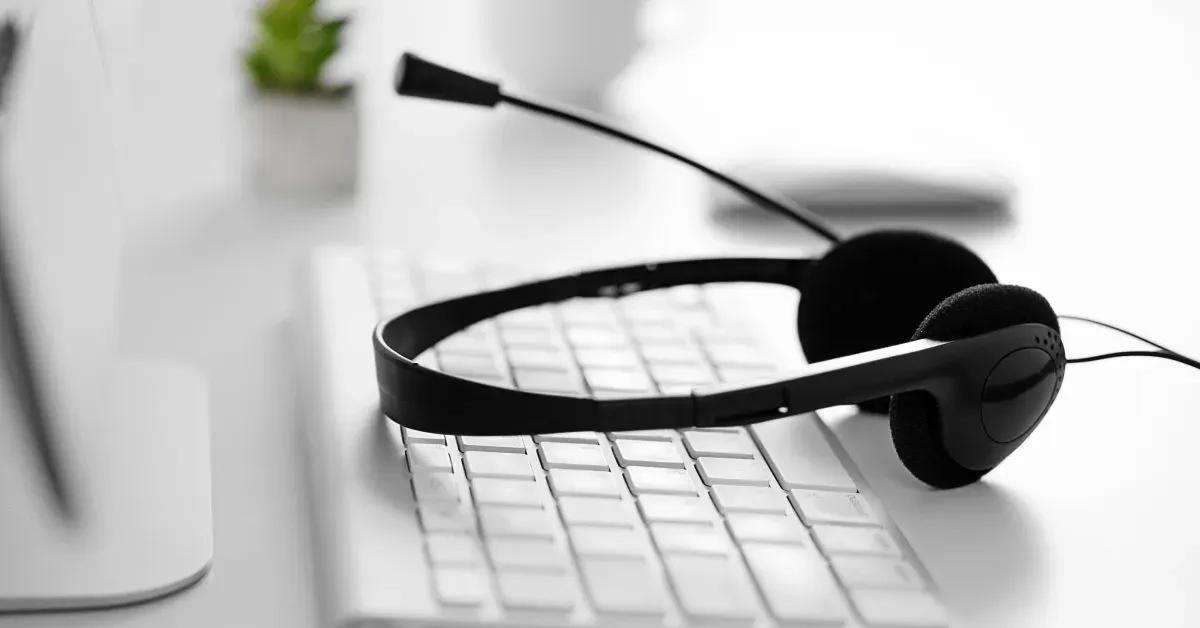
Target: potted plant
x,y
307,125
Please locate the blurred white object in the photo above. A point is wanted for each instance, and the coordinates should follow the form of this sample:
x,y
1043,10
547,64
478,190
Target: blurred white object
x,y
566,49
137,524
878,191
306,147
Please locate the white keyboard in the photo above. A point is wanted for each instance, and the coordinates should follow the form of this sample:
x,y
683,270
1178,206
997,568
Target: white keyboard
x,y
762,526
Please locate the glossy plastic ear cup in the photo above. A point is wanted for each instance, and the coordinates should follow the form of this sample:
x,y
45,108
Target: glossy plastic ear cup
x,y
915,418
871,291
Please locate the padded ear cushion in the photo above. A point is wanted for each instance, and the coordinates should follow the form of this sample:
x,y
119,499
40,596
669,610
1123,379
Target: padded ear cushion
x,y
915,419
873,290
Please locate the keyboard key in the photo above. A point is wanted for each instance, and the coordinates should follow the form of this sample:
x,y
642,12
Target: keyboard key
x,y
511,444
876,572
497,465
465,345
546,381
607,358
623,586
529,337
741,374
525,317
676,390
728,429
660,332
585,483
617,394
572,456
595,511
710,587
855,540
742,472
469,365
568,437
738,356
535,590
718,444
452,549
774,528
596,337
656,480
616,380
504,492
541,358
883,607
664,354
606,541
428,458
650,305
460,586
689,374
648,454
750,499
478,331
591,310
795,582
677,508
689,296
532,554
442,517
643,435
725,336
689,538
417,436
515,521
829,507
436,487
801,457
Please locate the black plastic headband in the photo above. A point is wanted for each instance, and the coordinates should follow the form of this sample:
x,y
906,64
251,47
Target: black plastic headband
x,y
432,401
429,400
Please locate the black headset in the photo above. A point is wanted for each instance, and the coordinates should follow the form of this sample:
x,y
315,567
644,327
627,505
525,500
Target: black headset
x,y
966,388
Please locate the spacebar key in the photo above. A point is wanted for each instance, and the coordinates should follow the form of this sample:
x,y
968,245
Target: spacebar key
x,y
797,450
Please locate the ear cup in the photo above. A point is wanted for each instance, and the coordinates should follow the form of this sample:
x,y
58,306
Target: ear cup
x,y
873,290
916,421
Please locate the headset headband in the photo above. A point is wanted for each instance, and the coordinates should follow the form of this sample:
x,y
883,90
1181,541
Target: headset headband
x,y
432,401
440,402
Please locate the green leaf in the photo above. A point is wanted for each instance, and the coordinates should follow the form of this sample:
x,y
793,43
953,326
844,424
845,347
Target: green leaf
x,y
293,46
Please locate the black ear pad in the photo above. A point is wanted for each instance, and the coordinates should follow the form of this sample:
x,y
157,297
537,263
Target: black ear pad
x,y
871,291
915,419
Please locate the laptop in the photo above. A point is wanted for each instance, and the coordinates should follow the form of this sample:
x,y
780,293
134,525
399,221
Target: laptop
x,y
770,525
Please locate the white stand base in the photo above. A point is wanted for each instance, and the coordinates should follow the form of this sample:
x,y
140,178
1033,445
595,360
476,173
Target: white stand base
x,y
141,479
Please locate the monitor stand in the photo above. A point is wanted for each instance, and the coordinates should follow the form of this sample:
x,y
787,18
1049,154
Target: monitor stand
x,y
141,480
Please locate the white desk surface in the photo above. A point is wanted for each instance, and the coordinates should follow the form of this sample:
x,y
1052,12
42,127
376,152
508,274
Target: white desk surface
x,y
1091,111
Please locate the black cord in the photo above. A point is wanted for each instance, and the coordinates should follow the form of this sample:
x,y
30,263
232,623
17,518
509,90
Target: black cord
x,y
1118,329
1166,355
773,203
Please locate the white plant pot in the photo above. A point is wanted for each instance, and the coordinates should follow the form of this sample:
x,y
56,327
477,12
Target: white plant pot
x,y
305,148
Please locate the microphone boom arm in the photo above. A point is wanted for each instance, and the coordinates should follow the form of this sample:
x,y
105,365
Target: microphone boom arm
x,y
418,77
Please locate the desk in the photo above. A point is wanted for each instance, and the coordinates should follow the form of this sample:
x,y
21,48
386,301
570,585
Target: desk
x,y
1092,523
